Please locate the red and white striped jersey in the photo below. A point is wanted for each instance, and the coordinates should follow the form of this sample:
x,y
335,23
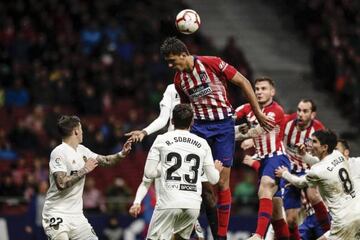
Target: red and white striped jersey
x,y
268,143
294,136
205,87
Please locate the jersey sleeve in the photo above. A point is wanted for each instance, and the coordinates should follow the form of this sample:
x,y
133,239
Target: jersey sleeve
x,y
242,111
318,125
151,166
211,172
220,66
165,113
312,178
57,162
89,153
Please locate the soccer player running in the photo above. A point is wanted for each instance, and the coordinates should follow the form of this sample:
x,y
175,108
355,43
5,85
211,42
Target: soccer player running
x,y
297,131
270,150
70,161
178,157
201,81
333,177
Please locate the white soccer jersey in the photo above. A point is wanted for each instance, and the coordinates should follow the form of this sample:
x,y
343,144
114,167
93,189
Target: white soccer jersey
x,y
337,187
169,101
66,159
182,155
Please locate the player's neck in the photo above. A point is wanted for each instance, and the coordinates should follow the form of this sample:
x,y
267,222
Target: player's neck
x,y
71,142
303,127
266,103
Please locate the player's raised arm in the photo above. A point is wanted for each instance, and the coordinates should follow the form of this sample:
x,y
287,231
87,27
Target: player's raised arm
x,y
110,160
245,85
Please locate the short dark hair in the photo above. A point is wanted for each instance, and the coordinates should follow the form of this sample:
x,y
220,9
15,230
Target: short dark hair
x,y
173,45
313,105
265,79
344,143
66,125
326,137
182,116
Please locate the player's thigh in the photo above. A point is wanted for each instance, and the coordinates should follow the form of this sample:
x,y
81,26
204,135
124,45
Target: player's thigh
x,y
56,226
162,224
292,197
81,229
185,221
223,146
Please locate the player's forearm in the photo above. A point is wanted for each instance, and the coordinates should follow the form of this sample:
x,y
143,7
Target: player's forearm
x,y
63,181
212,174
110,160
245,85
141,192
299,182
159,122
252,133
310,159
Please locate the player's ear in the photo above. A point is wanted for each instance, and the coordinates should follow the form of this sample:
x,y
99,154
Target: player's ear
x,y
313,115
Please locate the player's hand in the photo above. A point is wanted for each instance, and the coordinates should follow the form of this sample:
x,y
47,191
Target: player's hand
x,y
248,160
301,148
137,135
280,170
218,165
127,147
90,164
266,122
135,210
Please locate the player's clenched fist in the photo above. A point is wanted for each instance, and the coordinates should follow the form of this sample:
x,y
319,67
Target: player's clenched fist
x,y
135,209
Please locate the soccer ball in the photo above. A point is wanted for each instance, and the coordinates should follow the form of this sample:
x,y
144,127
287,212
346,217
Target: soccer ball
x,y
187,21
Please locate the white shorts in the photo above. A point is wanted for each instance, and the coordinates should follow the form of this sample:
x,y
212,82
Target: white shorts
x,y
63,227
167,222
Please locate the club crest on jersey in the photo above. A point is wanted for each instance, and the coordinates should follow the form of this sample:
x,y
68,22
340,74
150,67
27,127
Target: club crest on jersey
x,y
73,162
200,91
203,76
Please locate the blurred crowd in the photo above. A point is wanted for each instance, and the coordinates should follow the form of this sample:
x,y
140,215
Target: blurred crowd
x,y
96,59
332,29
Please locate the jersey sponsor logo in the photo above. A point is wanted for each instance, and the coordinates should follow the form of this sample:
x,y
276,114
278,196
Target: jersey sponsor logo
x,y
188,187
200,91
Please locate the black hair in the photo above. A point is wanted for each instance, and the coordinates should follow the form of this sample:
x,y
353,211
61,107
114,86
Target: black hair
x,y
182,116
66,125
173,45
313,105
326,137
344,143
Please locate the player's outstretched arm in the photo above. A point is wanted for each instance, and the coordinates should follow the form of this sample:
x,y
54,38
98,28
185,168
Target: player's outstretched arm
x,y
299,182
63,181
110,160
245,85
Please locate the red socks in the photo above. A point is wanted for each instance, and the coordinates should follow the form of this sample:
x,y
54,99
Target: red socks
x,y
224,207
294,233
281,229
322,216
264,216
